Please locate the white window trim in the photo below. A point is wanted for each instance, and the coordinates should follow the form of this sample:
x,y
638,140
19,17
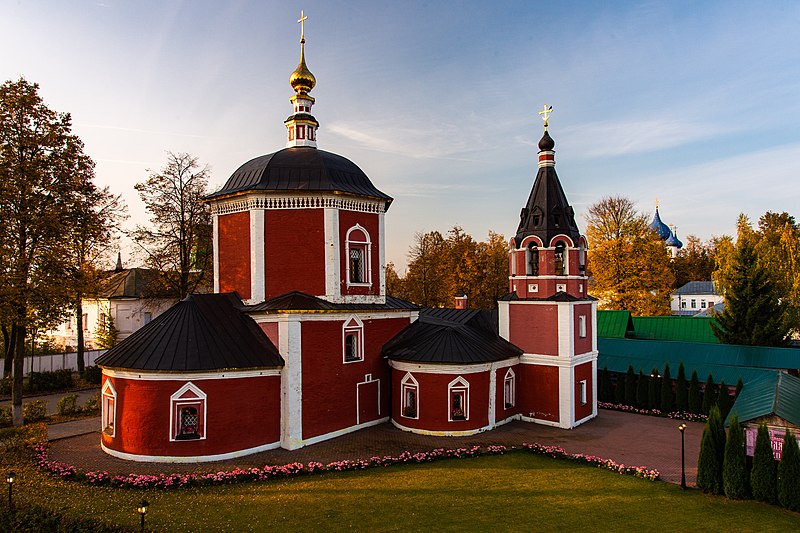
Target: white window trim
x,y
353,326
510,377
175,402
457,385
109,391
582,326
367,247
409,382
583,392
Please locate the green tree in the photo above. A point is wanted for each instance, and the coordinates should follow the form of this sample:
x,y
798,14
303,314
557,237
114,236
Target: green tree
x,y
723,400
630,387
653,396
789,474
106,333
177,242
394,283
754,314
681,394
667,397
734,468
642,383
709,394
712,451
619,389
764,475
694,262
628,262
42,165
426,280
695,405
739,387
606,386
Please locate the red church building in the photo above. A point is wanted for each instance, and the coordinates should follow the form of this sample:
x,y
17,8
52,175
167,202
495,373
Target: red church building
x,y
300,342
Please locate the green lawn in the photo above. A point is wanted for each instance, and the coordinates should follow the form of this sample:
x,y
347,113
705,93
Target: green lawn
x,y
515,492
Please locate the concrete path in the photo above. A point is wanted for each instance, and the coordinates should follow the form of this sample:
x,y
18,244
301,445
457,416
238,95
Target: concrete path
x,y
626,438
74,428
52,399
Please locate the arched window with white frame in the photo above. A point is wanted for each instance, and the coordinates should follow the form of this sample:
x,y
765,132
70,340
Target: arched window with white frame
x,y
109,408
188,413
358,251
509,389
353,340
458,400
409,392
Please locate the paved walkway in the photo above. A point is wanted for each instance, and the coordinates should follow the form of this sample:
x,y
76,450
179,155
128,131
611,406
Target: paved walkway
x,y
626,438
52,399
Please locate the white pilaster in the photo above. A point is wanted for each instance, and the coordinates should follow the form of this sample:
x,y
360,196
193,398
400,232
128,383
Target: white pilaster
x,y
566,394
333,286
381,255
566,330
502,320
594,328
257,276
215,249
289,331
493,396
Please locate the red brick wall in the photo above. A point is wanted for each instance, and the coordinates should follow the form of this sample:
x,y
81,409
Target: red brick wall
x,y
329,384
234,253
294,244
534,328
241,413
583,345
539,395
582,372
369,221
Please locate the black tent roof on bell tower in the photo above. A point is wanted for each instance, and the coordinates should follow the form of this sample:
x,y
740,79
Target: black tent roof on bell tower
x,y
547,212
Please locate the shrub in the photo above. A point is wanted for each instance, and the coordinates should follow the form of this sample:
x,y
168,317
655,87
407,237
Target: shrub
x,y
50,381
789,474
36,518
723,400
6,418
67,405
606,387
667,398
23,439
764,475
34,411
695,406
652,389
630,386
92,403
712,450
6,384
93,374
709,395
734,466
641,390
681,394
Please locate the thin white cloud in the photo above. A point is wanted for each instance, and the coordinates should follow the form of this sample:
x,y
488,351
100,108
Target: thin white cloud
x,y
146,132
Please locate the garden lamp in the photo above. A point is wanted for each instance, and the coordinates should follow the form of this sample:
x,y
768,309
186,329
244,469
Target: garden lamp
x,y
142,510
11,477
682,429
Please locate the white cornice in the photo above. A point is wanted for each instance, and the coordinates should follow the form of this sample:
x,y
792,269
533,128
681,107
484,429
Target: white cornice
x,y
193,376
273,201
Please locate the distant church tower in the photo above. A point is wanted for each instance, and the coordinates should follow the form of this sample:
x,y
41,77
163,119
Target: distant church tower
x,y
548,313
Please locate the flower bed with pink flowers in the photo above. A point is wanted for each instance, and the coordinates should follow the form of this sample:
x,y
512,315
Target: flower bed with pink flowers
x,y
168,481
678,415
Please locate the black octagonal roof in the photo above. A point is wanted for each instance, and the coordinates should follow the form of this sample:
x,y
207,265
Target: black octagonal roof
x,y
302,168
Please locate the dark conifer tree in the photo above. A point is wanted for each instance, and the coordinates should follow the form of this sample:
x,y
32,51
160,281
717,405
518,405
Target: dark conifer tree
x,y
739,387
652,390
681,394
764,475
734,466
630,387
695,405
789,474
712,451
723,400
606,387
709,395
641,390
619,389
667,398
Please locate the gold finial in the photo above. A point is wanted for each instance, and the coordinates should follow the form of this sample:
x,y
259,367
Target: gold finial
x,y
545,112
656,203
302,23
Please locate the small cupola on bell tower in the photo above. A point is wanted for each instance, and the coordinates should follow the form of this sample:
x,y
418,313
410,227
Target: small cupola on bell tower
x,y
301,127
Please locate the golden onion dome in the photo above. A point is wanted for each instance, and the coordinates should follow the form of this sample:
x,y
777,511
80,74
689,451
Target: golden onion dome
x,y
301,80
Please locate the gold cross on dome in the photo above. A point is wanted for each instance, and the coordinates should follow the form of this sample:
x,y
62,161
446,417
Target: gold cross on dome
x,y
302,21
545,112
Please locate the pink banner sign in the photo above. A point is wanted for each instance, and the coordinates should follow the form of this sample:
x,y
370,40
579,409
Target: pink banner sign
x,y
775,436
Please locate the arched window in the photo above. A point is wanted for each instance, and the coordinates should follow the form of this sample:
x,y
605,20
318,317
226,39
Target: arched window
x,y
533,260
458,396
188,413
109,408
353,340
358,250
560,258
409,391
582,258
509,389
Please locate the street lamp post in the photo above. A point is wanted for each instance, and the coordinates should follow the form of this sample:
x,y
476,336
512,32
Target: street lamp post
x,y
682,429
11,477
142,510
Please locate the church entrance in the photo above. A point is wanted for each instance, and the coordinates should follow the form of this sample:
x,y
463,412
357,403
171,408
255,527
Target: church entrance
x,y
369,400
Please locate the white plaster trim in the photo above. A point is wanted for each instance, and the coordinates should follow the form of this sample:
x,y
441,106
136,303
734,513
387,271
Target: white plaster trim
x,y
282,200
551,360
566,330
257,257
367,380
440,368
540,421
512,377
492,396
502,320
188,458
418,431
330,316
190,376
593,327
507,420
358,331
175,401
340,432
333,290
215,249
566,396
289,332
108,390
458,385
585,419
408,382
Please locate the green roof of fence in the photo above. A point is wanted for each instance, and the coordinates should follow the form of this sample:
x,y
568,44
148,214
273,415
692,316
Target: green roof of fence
x,y
777,394
616,324
674,328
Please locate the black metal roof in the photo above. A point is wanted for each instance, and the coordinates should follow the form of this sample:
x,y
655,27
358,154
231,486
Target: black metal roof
x,y
133,283
547,212
451,336
201,332
302,168
300,301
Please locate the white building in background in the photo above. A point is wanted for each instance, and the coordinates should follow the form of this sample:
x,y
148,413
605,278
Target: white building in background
x,y
125,297
695,297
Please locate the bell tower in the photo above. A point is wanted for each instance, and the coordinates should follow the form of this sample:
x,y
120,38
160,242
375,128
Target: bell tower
x,y
548,312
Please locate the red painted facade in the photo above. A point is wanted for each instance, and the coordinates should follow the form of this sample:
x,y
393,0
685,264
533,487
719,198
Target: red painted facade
x,y
584,372
294,249
368,221
534,327
583,344
234,253
502,411
539,398
241,413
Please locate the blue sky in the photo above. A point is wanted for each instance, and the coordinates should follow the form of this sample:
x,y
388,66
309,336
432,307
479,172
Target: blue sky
x,y
694,103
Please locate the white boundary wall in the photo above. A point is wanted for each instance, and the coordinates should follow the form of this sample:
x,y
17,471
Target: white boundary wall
x,y
59,361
